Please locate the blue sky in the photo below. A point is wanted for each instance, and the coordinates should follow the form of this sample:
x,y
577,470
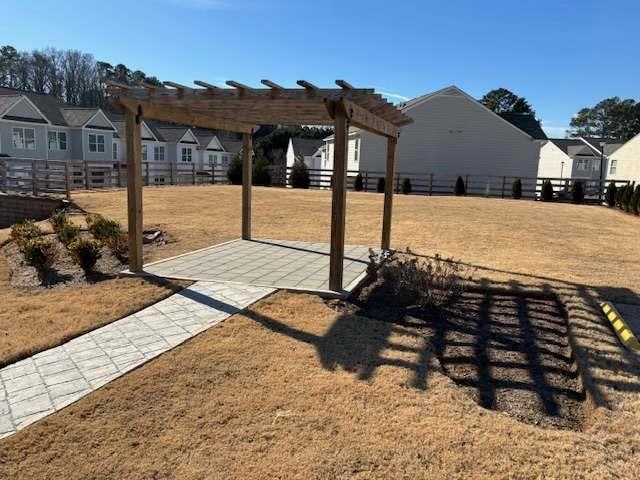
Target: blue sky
x,y
561,55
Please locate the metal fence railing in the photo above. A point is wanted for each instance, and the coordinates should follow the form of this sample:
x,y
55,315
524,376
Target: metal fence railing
x,y
60,177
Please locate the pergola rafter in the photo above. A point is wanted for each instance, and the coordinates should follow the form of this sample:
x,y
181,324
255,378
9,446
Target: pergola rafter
x,y
241,108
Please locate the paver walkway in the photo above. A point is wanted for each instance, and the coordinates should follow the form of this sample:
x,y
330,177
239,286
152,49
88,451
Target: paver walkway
x,y
48,381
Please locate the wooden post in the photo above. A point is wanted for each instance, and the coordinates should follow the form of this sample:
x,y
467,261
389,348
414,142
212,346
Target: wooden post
x,y
338,199
193,173
146,173
247,149
86,175
388,192
504,181
430,184
213,173
366,180
134,189
398,183
119,175
67,178
34,178
466,185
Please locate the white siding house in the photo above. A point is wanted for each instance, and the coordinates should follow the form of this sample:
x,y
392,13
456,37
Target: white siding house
x,y
452,134
305,149
624,163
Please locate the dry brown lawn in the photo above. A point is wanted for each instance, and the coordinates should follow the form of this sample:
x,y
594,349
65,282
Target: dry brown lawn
x,y
506,239
275,393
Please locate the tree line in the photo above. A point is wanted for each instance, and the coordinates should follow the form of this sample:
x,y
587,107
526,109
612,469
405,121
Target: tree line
x,y
70,75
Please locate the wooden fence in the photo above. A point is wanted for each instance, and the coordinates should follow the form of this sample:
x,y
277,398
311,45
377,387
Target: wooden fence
x,y
59,177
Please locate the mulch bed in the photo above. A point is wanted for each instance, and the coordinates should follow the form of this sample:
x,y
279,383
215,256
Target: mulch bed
x,y
510,353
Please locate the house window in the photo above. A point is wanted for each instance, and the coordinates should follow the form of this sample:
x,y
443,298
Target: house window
x,y
581,164
186,154
613,167
57,140
212,160
356,150
158,153
96,143
225,161
24,138
115,151
144,153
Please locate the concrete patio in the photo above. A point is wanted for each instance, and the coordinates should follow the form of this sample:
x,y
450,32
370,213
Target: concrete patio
x,y
282,264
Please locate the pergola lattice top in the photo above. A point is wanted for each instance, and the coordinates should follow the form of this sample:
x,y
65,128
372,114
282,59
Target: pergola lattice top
x,y
241,107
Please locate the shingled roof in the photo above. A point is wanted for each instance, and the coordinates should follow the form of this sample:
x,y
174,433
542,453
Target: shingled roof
x,y
527,123
305,146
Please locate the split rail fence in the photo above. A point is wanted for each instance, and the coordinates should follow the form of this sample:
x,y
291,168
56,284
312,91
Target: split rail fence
x,y
60,177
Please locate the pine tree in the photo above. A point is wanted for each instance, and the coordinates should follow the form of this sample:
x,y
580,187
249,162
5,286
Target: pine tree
x,y
577,193
357,183
610,196
381,185
299,177
460,189
516,189
547,191
406,186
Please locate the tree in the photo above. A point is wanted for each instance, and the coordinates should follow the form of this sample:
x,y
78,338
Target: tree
x,y
516,189
611,118
502,100
234,172
261,173
459,188
547,191
299,177
273,145
577,192
357,183
381,185
610,196
9,58
406,186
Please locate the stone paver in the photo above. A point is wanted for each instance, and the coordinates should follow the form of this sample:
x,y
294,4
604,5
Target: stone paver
x,y
48,381
272,263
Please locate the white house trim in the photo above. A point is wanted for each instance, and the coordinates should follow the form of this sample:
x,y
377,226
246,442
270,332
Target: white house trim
x,y
99,112
11,105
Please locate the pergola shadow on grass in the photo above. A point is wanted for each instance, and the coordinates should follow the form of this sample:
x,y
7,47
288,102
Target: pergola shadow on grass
x,y
242,108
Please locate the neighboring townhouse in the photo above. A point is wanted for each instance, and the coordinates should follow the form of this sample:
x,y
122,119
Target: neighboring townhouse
x,y
38,126
353,151
213,153
575,157
307,150
624,162
452,134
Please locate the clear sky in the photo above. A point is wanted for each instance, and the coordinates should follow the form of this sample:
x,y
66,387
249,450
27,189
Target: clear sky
x,y
561,55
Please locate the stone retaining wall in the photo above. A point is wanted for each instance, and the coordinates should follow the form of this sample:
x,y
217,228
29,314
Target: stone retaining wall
x,y
15,208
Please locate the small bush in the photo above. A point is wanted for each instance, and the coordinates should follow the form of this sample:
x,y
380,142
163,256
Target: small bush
x,y
516,189
406,186
635,200
39,252
628,194
234,172
102,228
24,231
68,232
86,252
381,185
299,177
261,173
577,192
357,183
547,191
619,194
610,196
58,220
424,281
119,245
459,189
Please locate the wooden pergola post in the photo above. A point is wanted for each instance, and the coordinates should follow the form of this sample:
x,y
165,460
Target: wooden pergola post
x,y
388,192
134,188
247,174
338,199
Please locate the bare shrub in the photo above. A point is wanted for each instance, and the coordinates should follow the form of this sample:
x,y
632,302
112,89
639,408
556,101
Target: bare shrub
x,y
427,282
24,231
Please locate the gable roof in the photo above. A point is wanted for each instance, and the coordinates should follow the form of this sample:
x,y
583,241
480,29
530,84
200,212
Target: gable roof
x,y
78,117
527,123
231,146
305,146
48,105
8,101
610,145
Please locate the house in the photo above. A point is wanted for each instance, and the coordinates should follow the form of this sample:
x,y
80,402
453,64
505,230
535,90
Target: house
x,y
575,157
213,149
307,150
624,162
452,134
38,126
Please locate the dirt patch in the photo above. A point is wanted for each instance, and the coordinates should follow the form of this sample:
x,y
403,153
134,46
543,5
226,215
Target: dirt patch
x,y
510,353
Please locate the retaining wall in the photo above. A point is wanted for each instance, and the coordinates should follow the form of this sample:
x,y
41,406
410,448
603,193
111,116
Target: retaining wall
x,y
15,208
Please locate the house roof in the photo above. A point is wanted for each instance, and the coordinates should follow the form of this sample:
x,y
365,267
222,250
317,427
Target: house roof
x,y
586,146
305,146
610,145
78,117
527,123
48,105
231,146
168,132
7,101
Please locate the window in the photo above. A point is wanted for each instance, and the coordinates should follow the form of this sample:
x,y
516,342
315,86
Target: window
x,y
57,140
24,138
356,150
581,164
115,151
186,154
158,153
613,167
96,143
144,153
225,161
212,161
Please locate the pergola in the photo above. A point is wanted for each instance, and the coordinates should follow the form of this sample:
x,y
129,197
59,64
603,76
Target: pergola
x,y
242,108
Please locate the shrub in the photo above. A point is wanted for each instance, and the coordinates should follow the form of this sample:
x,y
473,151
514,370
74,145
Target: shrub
x,y
516,189
357,183
628,194
234,172
24,231
619,195
119,245
460,189
261,174
611,193
547,191
635,200
86,252
39,252
58,220
406,186
381,185
299,177
101,227
577,192
68,232
424,281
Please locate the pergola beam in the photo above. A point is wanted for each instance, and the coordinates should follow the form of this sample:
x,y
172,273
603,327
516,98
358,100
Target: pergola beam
x,y
366,120
179,87
241,87
209,86
344,85
308,86
272,85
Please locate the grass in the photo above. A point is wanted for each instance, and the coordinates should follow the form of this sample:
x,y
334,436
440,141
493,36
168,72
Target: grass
x,y
276,394
280,392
